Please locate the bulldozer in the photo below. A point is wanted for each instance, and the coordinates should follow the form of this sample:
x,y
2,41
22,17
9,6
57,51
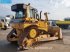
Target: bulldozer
x,y
3,24
28,26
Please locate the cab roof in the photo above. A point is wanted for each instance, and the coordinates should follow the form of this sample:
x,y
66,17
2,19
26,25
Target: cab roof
x,y
17,7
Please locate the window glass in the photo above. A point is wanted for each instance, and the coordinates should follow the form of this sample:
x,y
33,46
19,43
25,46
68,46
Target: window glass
x,y
20,14
31,13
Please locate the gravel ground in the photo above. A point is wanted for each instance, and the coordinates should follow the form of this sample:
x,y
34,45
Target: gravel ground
x,y
52,46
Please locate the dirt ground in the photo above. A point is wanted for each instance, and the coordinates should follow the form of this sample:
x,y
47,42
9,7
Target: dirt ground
x,y
52,46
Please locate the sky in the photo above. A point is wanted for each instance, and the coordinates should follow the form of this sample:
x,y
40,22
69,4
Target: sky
x,y
57,9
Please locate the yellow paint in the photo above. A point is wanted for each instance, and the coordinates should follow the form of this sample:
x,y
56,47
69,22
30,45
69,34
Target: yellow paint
x,y
43,25
2,24
33,33
26,25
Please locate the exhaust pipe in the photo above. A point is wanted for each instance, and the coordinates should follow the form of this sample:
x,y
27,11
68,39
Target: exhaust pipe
x,y
46,16
40,14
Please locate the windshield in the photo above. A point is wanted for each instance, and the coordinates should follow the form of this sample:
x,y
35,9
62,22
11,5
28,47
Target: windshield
x,y
20,14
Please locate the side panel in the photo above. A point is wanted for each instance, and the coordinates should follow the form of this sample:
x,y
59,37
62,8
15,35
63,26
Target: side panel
x,y
43,25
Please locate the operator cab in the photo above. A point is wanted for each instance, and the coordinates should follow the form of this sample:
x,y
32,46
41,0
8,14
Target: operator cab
x,y
23,11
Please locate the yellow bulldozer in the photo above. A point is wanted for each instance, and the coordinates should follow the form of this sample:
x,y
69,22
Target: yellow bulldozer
x,y
29,27
2,24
